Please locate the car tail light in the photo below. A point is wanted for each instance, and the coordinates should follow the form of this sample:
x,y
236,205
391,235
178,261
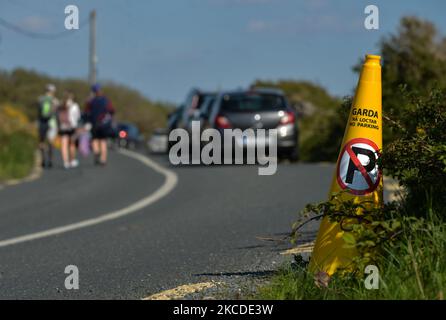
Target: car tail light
x,y
122,134
222,122
288,117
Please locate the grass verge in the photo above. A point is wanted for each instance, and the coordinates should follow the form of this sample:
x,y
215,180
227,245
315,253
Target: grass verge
x,y
412,268
17,143
17,150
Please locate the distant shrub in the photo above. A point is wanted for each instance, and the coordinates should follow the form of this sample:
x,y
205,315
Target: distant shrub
x,y
23,87
17,151
17,143
417,155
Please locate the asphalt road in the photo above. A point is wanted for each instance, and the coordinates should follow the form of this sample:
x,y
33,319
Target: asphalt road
x,y
204,228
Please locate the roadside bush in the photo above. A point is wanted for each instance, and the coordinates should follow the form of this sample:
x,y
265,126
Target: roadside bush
x,y
16,154
417,158
17,143
327,130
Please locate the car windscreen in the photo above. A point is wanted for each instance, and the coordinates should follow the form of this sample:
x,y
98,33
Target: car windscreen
x,y
124,127
204,100
207,103
195,101
130,129
252,102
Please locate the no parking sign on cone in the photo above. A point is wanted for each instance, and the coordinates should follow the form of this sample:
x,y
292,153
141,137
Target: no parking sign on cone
x,y
357,171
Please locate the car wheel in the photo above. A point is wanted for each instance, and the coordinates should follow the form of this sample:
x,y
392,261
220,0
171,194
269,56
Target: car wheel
x,y
293,155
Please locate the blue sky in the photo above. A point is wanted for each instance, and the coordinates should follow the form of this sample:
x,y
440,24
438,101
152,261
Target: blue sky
x,y
164,47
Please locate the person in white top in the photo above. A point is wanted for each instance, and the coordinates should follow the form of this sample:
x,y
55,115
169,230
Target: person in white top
x,y
68,116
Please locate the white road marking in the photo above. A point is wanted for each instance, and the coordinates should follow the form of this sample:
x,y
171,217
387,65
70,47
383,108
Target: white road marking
x,y
170,182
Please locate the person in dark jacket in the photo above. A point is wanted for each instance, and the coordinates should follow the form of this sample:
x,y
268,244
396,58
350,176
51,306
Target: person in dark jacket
x,y
99,113
47,105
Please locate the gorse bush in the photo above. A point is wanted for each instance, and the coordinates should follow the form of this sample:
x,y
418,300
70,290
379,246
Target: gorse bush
x,y
17,150
13,119
417,157
327,130
18,143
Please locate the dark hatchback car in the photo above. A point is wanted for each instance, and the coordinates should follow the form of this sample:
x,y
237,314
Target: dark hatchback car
x,y
174,117
259,108
193,108
128,136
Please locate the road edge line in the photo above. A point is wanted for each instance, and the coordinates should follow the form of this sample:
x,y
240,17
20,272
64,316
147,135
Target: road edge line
x,y
181,291
171,180
36,173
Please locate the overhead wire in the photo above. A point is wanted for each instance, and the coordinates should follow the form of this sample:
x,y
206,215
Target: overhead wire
x,y
38,35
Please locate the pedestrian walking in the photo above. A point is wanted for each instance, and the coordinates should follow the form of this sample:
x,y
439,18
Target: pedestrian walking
x,y
99,113
68,116
47,105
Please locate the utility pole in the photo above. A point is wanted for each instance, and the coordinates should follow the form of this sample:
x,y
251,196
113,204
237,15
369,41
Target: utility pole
x,y
93,58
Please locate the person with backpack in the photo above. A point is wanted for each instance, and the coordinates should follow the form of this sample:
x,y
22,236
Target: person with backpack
x,y
99,114
68,116
47,105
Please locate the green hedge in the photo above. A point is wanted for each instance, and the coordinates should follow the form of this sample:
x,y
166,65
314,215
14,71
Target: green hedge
x,y
17,152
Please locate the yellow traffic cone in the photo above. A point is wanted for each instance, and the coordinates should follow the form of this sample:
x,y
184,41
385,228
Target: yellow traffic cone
x,y
357,169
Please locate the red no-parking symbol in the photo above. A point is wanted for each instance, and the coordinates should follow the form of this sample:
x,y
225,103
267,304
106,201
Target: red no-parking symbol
x,y
358,170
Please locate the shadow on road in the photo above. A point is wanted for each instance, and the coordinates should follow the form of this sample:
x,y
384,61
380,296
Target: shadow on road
x,y
264,273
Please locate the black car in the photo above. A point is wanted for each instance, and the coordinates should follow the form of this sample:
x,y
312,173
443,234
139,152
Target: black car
x,y
196,102
173,119
128,136
258,108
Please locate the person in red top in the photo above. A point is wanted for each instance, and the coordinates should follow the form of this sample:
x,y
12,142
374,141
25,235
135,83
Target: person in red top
x,y
99,113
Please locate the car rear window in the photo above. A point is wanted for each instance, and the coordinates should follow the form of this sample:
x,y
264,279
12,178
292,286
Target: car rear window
x,y
255,102
204,99
197,100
